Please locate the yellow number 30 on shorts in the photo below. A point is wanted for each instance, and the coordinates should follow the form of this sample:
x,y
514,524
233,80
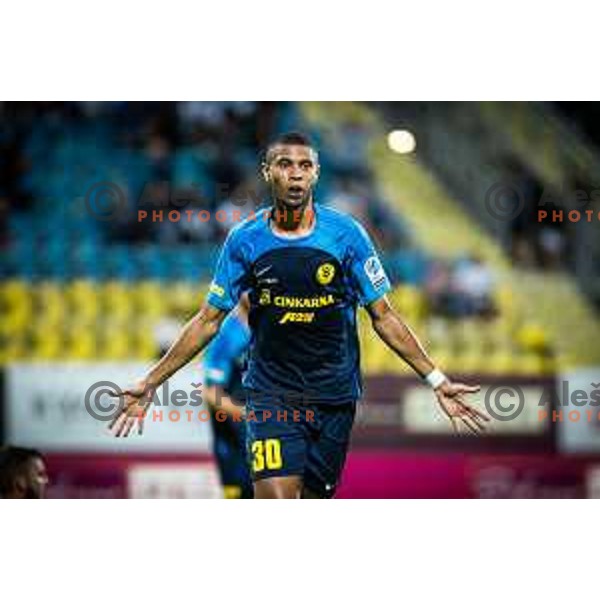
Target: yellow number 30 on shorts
x,y
267,454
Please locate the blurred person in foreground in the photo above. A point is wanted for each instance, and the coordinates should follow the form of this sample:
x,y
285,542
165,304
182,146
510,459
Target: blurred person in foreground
x,y
223,364
23,473
306,269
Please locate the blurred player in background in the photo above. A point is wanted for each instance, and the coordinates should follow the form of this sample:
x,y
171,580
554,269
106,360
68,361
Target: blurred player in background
x,y
306,269
222,364
23,473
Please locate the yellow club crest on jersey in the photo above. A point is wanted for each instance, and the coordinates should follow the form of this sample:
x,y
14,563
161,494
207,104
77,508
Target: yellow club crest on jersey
x,y
265,297
325,273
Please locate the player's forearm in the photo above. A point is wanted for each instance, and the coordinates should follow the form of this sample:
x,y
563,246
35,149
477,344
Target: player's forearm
x,y
196,334
400,338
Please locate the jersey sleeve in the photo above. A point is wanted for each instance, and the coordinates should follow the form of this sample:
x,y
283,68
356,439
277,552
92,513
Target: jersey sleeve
x,y
223,352
368,276
230,273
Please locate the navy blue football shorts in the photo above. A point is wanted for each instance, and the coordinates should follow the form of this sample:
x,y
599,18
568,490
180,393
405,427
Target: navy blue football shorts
x,y
296,437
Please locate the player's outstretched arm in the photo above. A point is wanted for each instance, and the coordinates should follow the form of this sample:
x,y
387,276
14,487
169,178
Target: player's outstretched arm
x,y
195,335
399,337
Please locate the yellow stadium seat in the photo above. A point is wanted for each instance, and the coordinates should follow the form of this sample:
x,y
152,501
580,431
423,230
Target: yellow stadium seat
x,y
115,344
80,340
505,299
183,297
500,362
14,351
116,300
532,337
48,345
82,297
143,345
16,321
149,299
471,362
14,292
409,301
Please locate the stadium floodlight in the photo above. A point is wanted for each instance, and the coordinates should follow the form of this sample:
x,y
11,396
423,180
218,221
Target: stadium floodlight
x,y
401,141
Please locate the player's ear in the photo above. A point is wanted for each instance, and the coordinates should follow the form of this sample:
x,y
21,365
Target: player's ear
x,y
264,169
315,175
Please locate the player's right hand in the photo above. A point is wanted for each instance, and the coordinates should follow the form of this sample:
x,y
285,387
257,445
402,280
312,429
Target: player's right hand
x,y
137,401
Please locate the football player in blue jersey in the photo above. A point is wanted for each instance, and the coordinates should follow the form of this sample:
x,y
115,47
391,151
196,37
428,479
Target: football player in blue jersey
x,y
222,366
306,268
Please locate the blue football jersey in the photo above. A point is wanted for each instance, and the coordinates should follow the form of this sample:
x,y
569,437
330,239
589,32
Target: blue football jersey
x,y
304,292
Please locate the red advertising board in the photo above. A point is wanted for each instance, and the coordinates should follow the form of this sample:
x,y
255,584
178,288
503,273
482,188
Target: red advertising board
x,y
368,474
390,474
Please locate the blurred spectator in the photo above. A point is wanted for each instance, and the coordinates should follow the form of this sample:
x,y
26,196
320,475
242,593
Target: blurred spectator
x,y
460,290
23,473
438,288
473,284
551,243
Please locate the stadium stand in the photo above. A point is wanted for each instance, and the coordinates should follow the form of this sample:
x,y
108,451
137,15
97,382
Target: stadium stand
x,y
79,286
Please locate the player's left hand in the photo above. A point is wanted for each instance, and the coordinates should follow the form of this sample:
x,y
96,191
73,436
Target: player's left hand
x,y
451,399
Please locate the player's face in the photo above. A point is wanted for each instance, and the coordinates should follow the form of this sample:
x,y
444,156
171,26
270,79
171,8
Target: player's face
x,y
37,479
292,172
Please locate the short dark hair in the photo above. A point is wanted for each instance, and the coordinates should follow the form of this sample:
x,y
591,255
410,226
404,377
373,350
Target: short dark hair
x,y
291,138
13,459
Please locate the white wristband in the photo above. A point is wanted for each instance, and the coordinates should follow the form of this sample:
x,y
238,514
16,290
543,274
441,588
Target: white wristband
x,y
435,378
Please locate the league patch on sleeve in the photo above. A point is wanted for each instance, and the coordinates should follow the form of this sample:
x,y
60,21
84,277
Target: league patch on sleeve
x,y
375,272
216,289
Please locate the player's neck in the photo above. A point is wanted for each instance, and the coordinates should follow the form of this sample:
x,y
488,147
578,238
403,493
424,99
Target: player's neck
x,y
299,221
